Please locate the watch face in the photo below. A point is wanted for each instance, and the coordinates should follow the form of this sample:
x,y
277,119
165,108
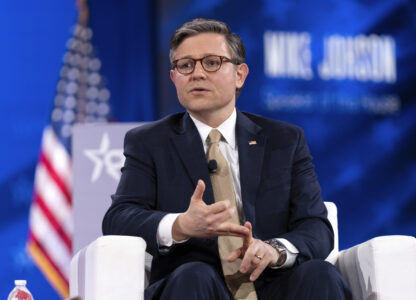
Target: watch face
x,y
282,257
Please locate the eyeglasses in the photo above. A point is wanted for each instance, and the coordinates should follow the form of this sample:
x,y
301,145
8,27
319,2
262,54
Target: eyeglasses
x,y
210,63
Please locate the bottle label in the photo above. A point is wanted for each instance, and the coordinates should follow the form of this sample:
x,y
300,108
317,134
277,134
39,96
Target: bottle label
x,y
22,295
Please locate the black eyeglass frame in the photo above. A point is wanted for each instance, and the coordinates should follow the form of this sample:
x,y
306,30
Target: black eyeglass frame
x,y
222,59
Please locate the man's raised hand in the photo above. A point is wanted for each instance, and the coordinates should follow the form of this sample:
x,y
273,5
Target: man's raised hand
x,y
206,221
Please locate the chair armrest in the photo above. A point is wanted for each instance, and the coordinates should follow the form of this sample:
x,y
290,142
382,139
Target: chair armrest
x,y
333,219
381,268
111,267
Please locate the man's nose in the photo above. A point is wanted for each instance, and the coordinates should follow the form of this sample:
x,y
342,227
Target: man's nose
x,y
198,70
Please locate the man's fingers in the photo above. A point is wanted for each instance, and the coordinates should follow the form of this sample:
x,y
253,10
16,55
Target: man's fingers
x,y
218,207
247,241
257,271
230,229
222,216
234,255
249,257
199,191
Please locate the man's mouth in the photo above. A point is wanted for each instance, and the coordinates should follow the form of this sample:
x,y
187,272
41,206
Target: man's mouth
x,y
198,90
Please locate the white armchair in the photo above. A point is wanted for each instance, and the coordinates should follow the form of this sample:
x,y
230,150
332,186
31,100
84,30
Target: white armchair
x,y
383,268
113,267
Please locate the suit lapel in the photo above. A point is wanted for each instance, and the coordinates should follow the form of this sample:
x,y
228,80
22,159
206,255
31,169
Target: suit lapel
x,y
251,146
190,149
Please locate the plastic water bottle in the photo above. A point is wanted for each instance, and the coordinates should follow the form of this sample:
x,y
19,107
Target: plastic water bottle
x,y
20,292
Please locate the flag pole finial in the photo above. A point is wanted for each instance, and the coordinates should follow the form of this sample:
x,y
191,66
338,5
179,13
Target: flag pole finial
x,y
83,12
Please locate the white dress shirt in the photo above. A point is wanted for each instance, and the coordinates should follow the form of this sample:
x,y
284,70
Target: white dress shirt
x,y
229,148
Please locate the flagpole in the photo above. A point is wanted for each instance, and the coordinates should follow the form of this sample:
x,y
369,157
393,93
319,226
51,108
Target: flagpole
x,y
83,12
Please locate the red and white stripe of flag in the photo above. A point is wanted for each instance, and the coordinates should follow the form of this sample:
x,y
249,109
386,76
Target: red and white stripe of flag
x,y
51,223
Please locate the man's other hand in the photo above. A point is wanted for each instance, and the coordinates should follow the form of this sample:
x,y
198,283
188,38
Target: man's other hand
x,y
206,221
256,255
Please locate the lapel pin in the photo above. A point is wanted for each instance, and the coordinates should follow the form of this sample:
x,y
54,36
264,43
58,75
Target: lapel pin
x,y
252,143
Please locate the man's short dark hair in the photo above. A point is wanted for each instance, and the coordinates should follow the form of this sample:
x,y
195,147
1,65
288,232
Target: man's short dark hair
x,y
200,25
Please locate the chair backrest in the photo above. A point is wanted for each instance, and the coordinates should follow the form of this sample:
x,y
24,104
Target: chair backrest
x,y
97,151
333,219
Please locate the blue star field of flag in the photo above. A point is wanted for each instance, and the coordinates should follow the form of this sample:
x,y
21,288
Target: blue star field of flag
x,y
81,95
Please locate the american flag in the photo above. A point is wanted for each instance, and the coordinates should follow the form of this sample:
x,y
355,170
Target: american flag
x,y
80,97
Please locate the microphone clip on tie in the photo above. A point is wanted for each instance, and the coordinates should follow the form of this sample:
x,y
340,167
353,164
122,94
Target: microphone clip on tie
x,y
212,166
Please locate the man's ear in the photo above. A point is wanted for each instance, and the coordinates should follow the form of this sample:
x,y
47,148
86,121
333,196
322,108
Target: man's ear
x,y
241,75
172,76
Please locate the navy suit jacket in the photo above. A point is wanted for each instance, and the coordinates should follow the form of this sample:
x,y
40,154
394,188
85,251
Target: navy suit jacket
x,y
280,192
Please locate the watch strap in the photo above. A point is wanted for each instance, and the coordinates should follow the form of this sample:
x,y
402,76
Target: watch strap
x,y
281,250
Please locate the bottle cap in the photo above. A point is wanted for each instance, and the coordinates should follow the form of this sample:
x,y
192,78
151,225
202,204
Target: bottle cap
x,y
20,282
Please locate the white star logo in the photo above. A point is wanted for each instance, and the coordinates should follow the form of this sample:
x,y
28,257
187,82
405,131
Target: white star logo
x,y
105,158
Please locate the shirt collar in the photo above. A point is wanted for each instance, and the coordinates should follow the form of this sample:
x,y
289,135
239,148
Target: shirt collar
x,y
227,129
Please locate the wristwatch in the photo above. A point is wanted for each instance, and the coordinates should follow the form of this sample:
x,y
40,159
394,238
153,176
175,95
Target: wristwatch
x,y
281,250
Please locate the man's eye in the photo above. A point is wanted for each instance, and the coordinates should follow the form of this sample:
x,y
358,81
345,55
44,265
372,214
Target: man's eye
x,y
185,65
212,62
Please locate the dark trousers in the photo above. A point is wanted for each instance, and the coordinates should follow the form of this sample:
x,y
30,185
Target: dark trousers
x,y
315,279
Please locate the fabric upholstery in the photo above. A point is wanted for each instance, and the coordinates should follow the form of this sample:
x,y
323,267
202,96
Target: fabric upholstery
x,y
382,268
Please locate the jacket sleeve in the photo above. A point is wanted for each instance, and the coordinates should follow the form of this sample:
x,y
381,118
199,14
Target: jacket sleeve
x,y
308,228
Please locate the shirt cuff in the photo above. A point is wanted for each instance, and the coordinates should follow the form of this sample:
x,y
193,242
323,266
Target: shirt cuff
x,y
291,254
164,231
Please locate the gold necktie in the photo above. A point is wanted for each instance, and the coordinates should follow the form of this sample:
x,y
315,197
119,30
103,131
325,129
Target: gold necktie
x,y
239,284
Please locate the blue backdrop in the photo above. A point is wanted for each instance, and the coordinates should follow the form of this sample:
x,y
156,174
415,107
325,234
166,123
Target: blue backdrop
x,y
344,71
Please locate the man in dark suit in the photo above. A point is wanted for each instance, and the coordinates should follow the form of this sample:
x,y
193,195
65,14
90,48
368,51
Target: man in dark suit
x,y
165,193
